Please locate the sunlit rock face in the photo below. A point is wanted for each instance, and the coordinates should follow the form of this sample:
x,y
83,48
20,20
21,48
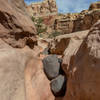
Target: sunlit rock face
x,y
95,5
16,27
43,8
82,68
69,23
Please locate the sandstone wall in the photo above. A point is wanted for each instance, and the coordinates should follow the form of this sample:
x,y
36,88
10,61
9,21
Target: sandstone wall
x,y
65,22
43,8
95,5
78,21
16,27
82,67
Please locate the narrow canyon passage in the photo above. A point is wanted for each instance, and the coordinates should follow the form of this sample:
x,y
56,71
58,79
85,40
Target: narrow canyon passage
x,y
47,55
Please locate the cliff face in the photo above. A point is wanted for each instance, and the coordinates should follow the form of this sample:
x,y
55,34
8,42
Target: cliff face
x,y
43,8
78,21
16,28
95,5
64,23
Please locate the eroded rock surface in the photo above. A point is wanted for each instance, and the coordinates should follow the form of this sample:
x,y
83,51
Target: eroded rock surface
x,y
22,76
95,5
37,84
22,70
12,65
45,8
60,43
16,27
85,21
83,68
73,22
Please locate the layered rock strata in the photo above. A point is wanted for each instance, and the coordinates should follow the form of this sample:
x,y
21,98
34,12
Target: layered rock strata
x,y
45,8
16,27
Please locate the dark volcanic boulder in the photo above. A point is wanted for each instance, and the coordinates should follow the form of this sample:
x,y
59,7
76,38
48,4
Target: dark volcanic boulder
x,y
58,85
51,66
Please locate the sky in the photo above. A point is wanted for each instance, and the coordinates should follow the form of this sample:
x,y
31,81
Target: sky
x,y
69,6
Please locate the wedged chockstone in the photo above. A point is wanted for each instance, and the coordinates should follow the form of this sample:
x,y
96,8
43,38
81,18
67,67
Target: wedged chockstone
x,y
58,85
51,66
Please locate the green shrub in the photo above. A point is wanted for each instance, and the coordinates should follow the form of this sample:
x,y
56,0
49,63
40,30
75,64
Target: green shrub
x,y
41,30
40,20
39,25
54,34
33,19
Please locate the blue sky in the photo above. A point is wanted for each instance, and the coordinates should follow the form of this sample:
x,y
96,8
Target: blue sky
x,y
66,6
